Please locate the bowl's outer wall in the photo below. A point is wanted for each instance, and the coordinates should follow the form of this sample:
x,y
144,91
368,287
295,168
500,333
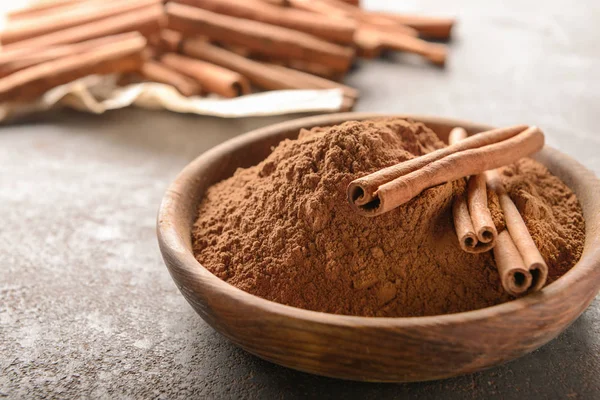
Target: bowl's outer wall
x,y
370,349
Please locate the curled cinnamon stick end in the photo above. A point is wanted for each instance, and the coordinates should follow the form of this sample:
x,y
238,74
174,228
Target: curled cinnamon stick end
x,y
158,72
514,274
463,225
259,74
391,187
515,225
211,77
478,209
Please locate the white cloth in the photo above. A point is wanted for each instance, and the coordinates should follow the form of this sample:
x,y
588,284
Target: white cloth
x,y
97,94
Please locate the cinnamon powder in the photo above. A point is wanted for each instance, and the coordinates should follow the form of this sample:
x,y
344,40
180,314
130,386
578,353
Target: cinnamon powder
x,y
283,229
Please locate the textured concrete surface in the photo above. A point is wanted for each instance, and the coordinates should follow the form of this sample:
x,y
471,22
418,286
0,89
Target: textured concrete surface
x,y
87,308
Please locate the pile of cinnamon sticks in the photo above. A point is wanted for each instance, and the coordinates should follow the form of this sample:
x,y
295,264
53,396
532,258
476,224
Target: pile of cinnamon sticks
x,y
226,47
520,265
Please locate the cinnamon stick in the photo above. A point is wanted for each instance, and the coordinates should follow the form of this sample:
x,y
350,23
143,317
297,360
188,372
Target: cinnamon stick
x,y
368,43
373,41
8,65
85,13
362,17
31,82
362,190
316,69
39,8
472,218
514,275
368,18
301,65
532,259
316,82
477,199
430,27
336,30
146,21
467,239
257,36
281,3
479,211
376,32
158,72
378,193
258,73
366,37
390,27
244,52
318,7
211,77
265,76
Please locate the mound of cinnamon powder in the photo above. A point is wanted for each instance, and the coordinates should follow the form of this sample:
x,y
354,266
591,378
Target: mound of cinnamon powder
x,y
283,229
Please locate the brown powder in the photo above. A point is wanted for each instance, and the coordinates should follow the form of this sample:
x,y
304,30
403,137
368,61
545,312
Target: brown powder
x,y
283,229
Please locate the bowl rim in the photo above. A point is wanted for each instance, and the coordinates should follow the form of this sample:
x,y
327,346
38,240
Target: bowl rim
x,y
177,250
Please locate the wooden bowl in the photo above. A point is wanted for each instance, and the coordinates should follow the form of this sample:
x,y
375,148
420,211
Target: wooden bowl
x,y
361,348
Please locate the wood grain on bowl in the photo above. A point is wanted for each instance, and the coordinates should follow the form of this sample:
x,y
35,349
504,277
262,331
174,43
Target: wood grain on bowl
x,y
372,349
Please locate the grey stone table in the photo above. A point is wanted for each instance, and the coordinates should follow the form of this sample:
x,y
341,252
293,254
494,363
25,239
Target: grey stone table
x,y
87,308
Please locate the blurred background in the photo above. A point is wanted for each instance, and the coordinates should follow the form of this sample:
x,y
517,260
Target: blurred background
x,y
87,308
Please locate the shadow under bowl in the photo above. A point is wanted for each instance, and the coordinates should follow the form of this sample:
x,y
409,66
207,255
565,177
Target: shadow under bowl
x,y
362,348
